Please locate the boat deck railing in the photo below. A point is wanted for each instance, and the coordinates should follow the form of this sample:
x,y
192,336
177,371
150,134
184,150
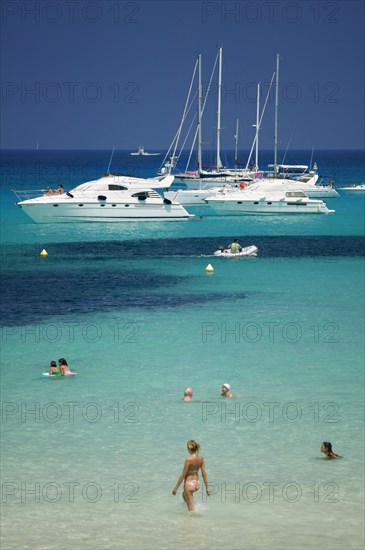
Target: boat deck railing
x,y
26,194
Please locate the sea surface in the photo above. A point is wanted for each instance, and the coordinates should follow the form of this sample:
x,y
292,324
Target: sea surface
x,y
89,462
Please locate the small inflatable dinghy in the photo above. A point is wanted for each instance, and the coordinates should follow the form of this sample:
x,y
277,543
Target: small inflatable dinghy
x,y
58,375
226,253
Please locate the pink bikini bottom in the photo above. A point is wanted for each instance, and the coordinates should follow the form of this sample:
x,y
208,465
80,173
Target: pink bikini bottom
x,y
192,484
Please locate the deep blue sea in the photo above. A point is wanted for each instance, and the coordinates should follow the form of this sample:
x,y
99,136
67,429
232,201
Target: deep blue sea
x,y
89,463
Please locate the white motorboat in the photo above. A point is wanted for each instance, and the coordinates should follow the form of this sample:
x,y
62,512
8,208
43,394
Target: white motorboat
x,y
359,189
307,186
108,199
142,153
246,251
299,178
296,171
255,199
305,182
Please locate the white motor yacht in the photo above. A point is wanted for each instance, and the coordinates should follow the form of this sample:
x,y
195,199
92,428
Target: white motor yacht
x,y
142,153
108,199
255,199
359,189
296,172
299,178
307,186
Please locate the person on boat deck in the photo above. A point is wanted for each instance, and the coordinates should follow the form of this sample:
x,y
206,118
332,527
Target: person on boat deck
x,y
53,369
188,394
226,390
59,189
235,247
326,448
64,368
190,475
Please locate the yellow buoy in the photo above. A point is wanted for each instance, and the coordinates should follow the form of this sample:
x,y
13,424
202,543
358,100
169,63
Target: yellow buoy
x,y
44,252
209,268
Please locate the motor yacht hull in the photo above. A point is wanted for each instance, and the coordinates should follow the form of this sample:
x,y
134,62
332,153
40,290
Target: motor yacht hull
x,y
319,192
111,198
309,188
243,206
356,189
60,212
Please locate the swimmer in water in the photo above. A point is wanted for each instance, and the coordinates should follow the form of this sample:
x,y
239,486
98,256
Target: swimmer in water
x,y
226,390
53,369
64,368
326,448
188,394
190,476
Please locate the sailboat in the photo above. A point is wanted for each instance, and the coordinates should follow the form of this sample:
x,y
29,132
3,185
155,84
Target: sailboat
x,y
205,178
203,184
295,177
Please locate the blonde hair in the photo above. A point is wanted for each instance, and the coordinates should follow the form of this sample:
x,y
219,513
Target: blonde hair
x,y
193,446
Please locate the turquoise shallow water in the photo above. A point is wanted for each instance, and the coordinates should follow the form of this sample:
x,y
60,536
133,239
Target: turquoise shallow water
x,y
90,462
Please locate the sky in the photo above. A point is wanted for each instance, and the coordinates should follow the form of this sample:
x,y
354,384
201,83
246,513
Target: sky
x,y
100,74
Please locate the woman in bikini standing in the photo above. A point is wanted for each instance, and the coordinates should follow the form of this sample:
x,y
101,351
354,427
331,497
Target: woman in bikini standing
x,y
190,475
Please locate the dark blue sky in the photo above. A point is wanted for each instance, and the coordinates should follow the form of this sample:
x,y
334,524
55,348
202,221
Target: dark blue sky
x,y
102,74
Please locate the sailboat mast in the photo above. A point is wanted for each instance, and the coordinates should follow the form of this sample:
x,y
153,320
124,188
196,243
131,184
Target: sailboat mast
x,y
110,161
257,126
219,163
261,117
200,99
236,143
174,158
310,165
276,116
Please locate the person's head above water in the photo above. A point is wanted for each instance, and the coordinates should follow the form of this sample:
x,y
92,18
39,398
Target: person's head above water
x,y
226,390
193,446
63,361
326,448
53,364
188,394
